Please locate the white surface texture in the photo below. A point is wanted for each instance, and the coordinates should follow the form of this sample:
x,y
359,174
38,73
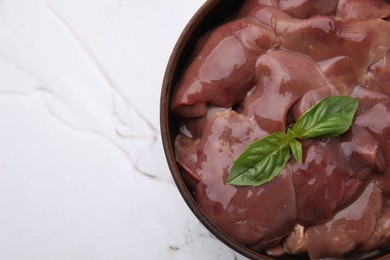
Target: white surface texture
x,y
82,170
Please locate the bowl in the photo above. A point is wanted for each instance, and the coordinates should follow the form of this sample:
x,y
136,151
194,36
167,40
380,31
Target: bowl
x,y
210,15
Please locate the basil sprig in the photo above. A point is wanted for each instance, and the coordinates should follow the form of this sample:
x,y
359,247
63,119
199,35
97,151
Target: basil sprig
x,y
266,157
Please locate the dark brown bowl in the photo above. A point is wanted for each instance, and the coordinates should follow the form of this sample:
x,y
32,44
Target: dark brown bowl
x,y
211,14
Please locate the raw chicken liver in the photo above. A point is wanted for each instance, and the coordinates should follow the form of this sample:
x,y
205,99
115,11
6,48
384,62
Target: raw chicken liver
x,y
257,74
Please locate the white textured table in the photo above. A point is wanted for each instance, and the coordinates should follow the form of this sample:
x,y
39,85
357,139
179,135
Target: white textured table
x,y
82,170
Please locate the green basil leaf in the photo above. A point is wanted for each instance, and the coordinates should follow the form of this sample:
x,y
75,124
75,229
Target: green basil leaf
x,y
295,145
296,149
330,117
265,158
262,161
